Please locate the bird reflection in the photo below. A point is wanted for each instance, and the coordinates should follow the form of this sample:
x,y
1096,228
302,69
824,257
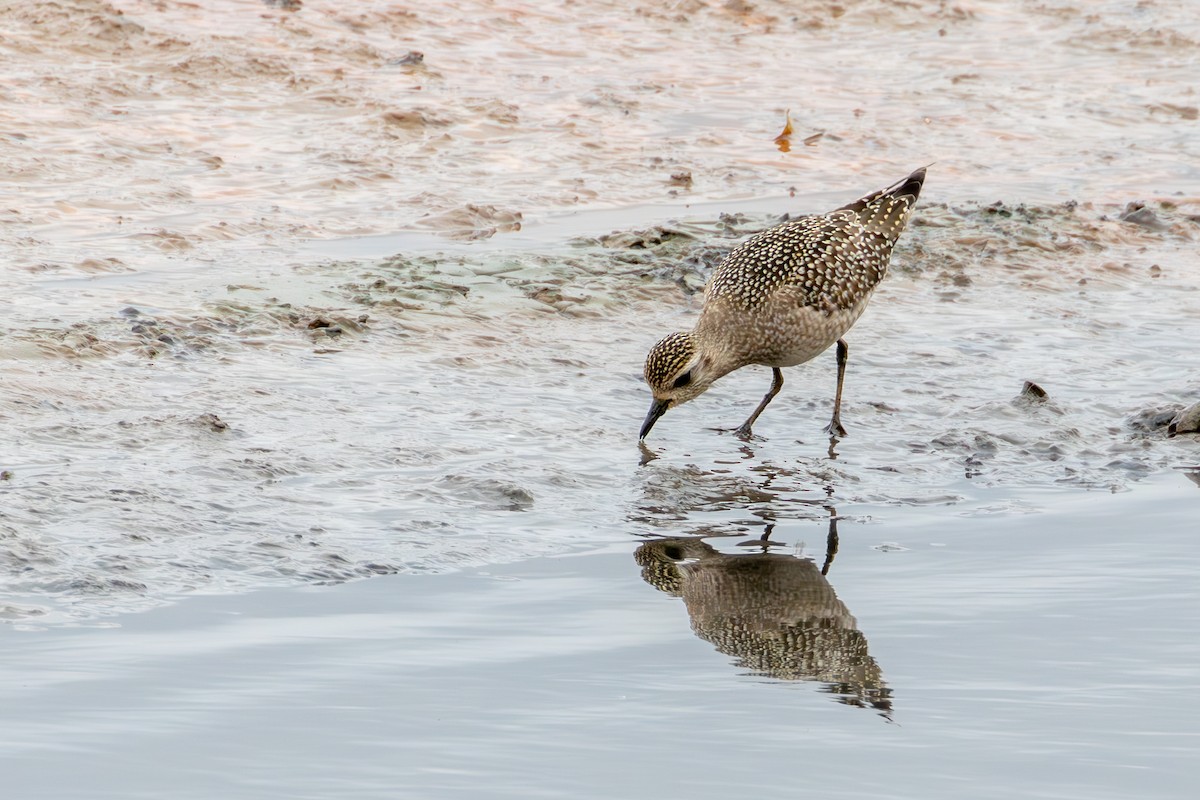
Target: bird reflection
x,y
776,614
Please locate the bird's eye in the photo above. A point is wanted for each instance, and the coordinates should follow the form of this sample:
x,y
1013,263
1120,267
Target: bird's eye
x,y
683,380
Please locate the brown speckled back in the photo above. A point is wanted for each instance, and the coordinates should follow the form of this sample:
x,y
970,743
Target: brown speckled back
x,y
836,259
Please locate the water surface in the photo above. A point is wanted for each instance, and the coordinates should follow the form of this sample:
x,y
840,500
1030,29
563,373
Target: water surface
x,y
1048,656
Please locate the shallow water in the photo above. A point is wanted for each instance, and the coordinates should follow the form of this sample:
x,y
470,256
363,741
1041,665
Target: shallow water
x,y
436,411
322,384
1046,656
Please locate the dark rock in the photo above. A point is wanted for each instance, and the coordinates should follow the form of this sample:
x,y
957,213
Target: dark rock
x,y
1186,421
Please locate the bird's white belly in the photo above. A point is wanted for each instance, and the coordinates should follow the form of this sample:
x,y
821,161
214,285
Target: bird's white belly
x,y
810,334
784,334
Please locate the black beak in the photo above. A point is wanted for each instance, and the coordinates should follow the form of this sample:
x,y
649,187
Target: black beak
x,y
657,409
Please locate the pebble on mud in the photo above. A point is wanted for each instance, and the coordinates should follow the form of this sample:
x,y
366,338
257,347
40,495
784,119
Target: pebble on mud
x,y
1032,391
1139,214
683,179
212,422
410,59
1186,421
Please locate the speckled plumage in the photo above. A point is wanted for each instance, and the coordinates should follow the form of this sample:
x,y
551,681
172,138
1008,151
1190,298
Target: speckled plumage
x,y
776,614
782,297
833,259
673,352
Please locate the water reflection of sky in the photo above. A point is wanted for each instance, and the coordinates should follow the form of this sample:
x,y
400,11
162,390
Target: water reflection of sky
x,y
1042,656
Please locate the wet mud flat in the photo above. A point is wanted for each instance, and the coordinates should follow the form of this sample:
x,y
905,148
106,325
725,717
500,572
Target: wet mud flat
x,y
136,131
467,405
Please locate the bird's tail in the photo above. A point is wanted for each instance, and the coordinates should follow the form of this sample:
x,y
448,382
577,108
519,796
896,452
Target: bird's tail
x,y
886,212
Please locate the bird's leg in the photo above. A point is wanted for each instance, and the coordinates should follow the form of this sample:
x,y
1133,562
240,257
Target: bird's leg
x,y
776,384
834,428
831,542
764,541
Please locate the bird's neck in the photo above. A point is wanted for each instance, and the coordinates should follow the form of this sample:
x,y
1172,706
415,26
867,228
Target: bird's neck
x,y
717,352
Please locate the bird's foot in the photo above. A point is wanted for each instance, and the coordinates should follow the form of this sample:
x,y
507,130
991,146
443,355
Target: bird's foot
x,y
834,428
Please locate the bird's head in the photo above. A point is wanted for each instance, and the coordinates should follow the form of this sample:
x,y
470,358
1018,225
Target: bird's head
x,y
676,372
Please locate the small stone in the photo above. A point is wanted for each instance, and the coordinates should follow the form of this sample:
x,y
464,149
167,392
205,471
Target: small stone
x,y
1186,421
410,59
1033,391
1138,214
681,179
213,422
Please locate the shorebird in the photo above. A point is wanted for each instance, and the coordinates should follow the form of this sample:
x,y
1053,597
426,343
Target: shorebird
x,y
783,297
776,614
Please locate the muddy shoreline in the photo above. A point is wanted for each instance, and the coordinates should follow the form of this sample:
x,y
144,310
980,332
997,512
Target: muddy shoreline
x,y
505,385
318,293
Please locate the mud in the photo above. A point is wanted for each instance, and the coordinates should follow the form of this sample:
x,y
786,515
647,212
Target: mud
x,y
195,402
427,394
